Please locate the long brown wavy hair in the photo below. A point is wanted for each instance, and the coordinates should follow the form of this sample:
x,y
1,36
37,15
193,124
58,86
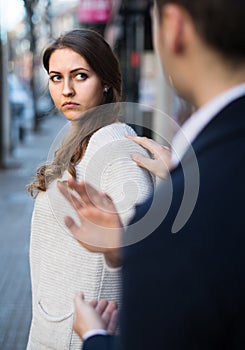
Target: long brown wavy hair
x,y
99,55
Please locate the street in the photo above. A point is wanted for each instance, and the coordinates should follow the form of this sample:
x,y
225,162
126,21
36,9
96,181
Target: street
x,y
16,209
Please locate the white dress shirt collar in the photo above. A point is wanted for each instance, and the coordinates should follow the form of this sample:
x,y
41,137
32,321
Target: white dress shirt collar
x,y
198,120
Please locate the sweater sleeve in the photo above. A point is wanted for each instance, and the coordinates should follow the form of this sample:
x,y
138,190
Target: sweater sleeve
x,y
124,181
107,165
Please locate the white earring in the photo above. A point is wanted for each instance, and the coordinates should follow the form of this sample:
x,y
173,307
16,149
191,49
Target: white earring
x,y
106,89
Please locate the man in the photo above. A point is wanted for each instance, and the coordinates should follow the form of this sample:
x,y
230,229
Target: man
x,y
186,290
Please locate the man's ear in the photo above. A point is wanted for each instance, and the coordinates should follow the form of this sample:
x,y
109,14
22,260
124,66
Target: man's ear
x,y
173,22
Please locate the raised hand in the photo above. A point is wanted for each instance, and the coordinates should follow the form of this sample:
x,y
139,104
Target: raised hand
x,y
100,229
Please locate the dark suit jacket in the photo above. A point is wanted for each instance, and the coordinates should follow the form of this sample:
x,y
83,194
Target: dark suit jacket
x,y
187,290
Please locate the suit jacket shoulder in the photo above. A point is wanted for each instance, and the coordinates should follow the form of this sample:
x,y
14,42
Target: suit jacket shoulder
x,y
185,289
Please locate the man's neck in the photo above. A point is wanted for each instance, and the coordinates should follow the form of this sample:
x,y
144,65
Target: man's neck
x,y
214,82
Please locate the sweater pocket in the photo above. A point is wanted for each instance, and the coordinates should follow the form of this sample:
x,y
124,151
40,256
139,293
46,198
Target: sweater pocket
x,y
51,331
52,318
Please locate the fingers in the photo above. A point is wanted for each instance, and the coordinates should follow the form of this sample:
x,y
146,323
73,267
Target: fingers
x,y
144,162
76,231
70,224
78,300
90,196
93,303
157,151
80,296
86,317
107,313
63,189
87,193
89,243
104,308
142,141
101,306
75,202
94,314
149,144
111,328
110,316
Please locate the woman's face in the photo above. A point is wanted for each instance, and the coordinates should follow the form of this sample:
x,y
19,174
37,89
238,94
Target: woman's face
x,y
73,85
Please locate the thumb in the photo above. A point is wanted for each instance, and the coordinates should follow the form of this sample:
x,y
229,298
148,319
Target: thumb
x,y
79,299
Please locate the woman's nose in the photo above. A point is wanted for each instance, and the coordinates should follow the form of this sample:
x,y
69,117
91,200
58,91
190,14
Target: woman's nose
x,y
68,88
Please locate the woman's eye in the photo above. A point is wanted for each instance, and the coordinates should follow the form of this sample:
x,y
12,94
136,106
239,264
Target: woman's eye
x,y
82,76
55,78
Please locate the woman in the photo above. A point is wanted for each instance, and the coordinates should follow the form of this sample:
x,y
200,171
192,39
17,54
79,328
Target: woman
x,y
85,85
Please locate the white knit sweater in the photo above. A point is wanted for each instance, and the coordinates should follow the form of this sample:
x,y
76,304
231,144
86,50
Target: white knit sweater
x,y
60,266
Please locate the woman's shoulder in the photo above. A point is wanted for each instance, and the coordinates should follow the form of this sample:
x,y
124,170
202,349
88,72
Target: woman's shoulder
x,y
112,132
109,136
111,141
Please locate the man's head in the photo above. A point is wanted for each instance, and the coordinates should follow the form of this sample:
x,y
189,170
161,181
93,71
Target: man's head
x,y
220,23
195,37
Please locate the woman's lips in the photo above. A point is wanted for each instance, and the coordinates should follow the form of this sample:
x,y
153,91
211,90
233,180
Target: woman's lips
x,y
70,104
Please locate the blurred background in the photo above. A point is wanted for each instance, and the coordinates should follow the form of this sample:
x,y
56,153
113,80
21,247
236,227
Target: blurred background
x,y
27,26
29,123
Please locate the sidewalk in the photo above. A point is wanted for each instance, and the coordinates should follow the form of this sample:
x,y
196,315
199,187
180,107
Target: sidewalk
x,y
16,209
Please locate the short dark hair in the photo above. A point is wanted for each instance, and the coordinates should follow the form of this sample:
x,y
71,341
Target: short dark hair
x,y
97,52
220,23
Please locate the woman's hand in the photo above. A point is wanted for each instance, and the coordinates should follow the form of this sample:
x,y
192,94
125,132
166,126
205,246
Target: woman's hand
x,y
100,229
160,162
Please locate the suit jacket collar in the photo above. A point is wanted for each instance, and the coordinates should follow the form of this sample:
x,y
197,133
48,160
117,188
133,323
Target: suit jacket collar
x,y
229,121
